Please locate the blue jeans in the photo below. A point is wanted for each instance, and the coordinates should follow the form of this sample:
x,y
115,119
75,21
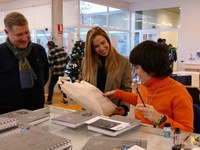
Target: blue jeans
x,y
53,81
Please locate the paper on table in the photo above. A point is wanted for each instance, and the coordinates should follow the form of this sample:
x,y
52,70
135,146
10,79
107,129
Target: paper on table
x,y
121,125
135,147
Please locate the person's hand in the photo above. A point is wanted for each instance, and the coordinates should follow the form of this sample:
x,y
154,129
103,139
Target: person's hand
x,y
119,111
149,112
77,81
110,94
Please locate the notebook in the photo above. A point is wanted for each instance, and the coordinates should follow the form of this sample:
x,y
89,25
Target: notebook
x,y
74,119
112,126
8,126
7,123
35,139
105,143
25,116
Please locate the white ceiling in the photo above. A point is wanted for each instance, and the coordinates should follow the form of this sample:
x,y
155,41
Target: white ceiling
x,y
128,1
5,1
131,1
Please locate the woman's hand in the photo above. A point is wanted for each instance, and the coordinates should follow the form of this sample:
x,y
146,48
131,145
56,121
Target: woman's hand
x,y
149,112
110,94
77,81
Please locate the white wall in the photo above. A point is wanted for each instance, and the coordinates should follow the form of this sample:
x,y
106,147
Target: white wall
x,y
33,14
69,14
38,15
189,35
1,21
38,12
172,38
189,32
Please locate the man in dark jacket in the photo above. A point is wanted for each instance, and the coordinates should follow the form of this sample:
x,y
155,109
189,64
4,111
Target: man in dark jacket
x,y
23,67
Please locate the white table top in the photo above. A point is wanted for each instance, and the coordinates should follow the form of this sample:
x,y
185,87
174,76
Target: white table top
x,y
80,136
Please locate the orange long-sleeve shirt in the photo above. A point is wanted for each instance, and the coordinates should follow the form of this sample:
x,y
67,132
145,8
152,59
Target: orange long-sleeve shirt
x,y
168,97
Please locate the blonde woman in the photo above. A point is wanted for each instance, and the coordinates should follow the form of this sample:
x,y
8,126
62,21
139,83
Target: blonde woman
x,y
105,68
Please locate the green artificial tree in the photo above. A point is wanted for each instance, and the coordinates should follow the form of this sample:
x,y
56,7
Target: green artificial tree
x,y
76,56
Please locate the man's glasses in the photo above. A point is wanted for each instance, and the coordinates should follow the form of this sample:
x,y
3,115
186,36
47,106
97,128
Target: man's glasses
x,y
135,66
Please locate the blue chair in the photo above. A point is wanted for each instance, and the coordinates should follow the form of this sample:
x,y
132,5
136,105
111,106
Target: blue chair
x,y
196,118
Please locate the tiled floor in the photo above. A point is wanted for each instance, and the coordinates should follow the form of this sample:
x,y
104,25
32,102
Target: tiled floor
x,y
57,101
56,96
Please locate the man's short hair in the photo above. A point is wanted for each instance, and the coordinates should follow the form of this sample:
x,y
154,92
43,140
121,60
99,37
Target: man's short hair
x,y
51,43
160,40
14,18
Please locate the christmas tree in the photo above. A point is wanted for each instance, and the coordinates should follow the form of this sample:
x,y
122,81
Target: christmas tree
x,y
76,56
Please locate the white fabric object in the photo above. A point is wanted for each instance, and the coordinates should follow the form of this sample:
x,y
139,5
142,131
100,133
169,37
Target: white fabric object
x,y
62,79
89,96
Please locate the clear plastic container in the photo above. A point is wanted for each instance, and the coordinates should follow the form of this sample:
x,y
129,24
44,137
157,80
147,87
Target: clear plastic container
x,y
177,133
167,130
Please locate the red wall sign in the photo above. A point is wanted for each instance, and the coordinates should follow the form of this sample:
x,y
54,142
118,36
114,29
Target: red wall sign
x,y
60,28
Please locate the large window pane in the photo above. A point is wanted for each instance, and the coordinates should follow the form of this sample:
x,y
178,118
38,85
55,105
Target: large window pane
x,y
93,14
33,35
138,20
136,38
118,18
2,37
150,24
68,38
157,19
42,38
120,40
83,33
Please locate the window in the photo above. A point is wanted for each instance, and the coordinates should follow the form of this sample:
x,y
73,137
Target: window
x,y
2,37
120,40
152,24
68,38
93,14
42,37
118,18
157,19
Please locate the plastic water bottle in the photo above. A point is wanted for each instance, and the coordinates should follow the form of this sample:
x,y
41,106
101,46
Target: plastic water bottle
x,y
167,130
177,133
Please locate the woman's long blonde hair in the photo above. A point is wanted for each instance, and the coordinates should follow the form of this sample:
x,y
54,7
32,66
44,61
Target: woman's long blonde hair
x,y
91,59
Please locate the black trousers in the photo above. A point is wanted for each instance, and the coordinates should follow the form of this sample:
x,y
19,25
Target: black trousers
x,y
53,81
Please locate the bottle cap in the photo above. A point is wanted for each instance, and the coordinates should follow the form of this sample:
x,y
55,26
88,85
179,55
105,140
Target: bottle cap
x,y
167,125
177,130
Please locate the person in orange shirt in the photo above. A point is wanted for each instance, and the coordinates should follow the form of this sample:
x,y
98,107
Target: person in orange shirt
x,y
164,99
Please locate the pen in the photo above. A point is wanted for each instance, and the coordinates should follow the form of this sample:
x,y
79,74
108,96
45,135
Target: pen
x,y
140,96
186,138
